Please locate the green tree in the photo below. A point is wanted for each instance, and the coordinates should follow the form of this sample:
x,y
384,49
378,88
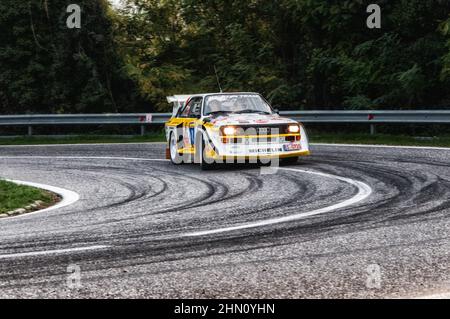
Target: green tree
x,y
308,54
298,53
45,67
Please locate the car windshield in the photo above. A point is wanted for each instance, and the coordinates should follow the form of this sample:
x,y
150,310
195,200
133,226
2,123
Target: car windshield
x,y
236,103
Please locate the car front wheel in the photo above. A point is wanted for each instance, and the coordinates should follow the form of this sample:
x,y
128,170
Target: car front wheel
x,y
200,158
289,161
175,156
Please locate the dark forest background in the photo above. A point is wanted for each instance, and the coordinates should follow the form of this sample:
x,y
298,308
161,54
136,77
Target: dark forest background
x,y
300,54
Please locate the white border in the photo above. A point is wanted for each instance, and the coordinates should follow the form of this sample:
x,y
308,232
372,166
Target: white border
x,y
53,252
385,146
364,191
164,143
84,144
68,197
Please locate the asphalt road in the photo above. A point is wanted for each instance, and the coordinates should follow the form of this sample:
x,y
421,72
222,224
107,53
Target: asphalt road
x,y
347,222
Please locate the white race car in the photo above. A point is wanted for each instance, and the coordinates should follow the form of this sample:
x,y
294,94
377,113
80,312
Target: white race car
x,y
231,127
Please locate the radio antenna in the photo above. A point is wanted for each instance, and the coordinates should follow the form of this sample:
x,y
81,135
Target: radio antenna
x,y
218,80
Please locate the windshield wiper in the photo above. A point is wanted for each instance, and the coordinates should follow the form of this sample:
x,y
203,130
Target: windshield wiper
x,y
218,112
250,111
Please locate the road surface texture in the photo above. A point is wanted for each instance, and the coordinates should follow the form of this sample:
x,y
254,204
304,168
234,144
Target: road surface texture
x,y
347,222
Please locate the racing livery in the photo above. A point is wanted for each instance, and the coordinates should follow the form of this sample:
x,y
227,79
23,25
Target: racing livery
x,y
229,127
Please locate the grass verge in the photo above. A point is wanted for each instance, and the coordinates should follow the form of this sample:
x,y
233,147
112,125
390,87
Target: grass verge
x,y
82,139
13,196
379,139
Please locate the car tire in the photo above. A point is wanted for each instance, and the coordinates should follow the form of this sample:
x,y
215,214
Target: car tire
x,y
175,156
200,152
289,161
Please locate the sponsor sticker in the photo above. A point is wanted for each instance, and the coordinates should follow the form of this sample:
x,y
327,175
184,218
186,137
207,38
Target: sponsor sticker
x,y
292,147
261,150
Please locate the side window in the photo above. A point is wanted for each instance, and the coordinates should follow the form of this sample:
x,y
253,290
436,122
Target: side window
x,y
187,109
196,108
180,108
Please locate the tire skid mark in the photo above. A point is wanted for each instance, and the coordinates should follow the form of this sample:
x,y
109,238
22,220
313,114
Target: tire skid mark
x,y
392,205
386,207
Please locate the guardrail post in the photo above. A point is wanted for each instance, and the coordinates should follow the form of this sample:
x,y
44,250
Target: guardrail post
x,y
373,129
30,130
142,130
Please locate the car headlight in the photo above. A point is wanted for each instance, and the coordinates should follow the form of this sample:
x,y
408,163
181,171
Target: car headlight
x,y
294,129
229,130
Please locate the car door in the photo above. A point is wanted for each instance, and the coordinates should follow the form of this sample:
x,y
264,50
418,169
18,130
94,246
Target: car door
x,y
191,123
190,116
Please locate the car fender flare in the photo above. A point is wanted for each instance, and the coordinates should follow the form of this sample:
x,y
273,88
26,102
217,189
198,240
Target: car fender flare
x,y
202,135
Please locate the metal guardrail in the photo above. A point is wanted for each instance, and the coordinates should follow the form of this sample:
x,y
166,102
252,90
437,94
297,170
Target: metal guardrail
x,y
424,117
83,119
369,117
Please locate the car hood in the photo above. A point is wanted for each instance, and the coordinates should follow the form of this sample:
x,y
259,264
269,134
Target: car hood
x,y
250,119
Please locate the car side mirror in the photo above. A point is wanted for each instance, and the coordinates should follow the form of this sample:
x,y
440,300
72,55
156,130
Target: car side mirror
x,y
277,111
207,120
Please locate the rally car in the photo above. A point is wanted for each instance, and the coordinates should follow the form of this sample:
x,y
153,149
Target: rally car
x,y
231,127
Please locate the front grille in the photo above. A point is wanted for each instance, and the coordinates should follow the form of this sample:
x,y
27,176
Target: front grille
x,y
264,129
251,140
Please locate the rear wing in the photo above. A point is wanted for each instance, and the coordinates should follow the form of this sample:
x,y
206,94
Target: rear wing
x,y
177,101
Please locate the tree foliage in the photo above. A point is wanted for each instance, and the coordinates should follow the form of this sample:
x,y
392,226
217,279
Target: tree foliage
x,y
48,68
300,54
